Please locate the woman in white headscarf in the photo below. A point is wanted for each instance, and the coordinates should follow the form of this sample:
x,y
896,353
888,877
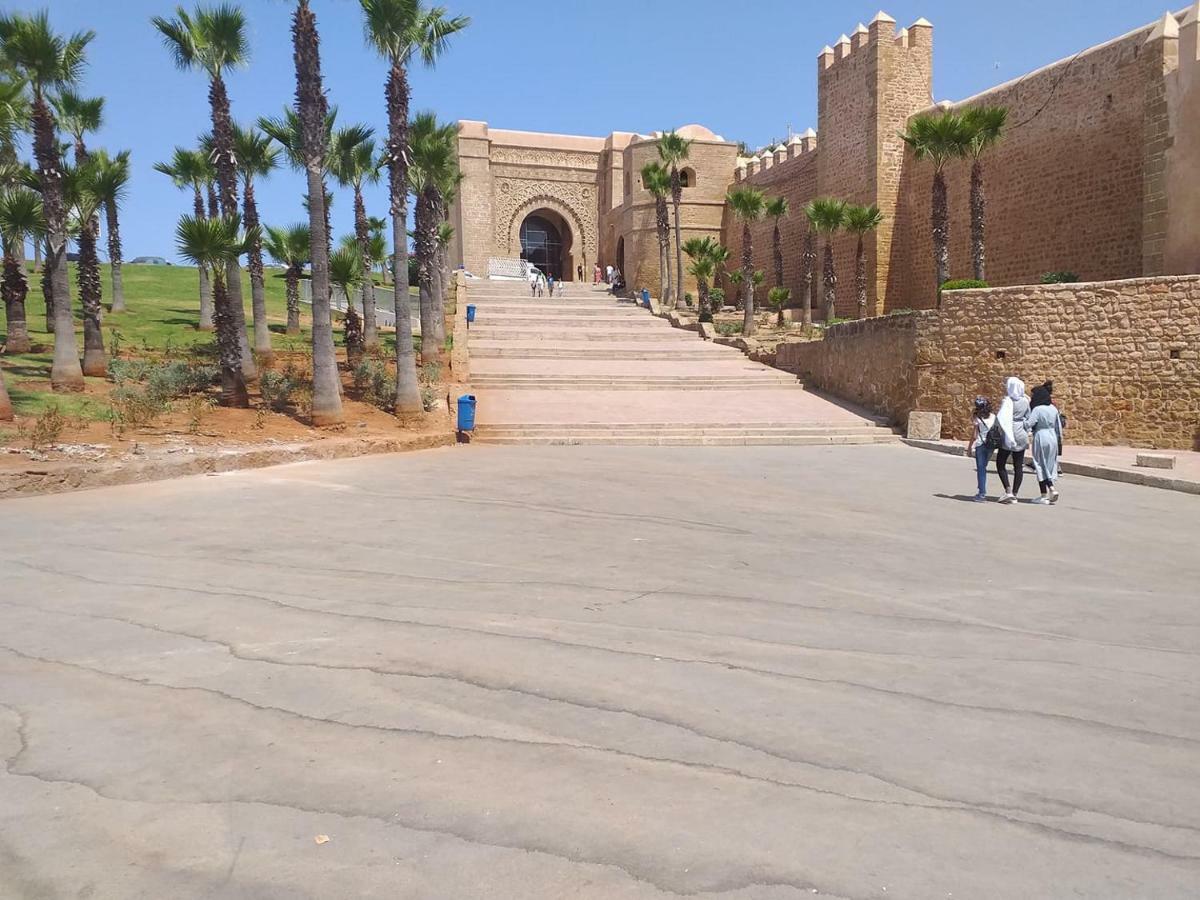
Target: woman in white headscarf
x,y
1013,410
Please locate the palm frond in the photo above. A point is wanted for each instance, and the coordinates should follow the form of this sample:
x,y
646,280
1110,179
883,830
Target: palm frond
x,y
21,215
777,207
826,214
748,204
861,219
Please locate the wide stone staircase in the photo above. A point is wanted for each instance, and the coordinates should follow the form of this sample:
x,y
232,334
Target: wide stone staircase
x,y
588,368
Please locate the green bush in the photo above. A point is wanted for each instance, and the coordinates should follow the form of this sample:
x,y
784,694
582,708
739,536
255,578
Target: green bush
x,y
716,297
962,284
178,379
277,389
121,370
376,384
729,328
134,406
1060,278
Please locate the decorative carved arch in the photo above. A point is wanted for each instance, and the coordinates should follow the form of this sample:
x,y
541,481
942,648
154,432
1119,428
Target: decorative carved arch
x,y
575,202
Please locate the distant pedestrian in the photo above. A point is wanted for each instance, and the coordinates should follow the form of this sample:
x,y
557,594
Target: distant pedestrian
x,y
608,270
596,274
1013,411
983,421
1044,425
550,284
579,273
533,282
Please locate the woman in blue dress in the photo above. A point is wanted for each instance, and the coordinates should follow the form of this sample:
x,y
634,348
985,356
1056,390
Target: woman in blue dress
x,y
1044,426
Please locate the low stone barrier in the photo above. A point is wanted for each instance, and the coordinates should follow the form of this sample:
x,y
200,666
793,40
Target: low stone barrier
x,y
1124,357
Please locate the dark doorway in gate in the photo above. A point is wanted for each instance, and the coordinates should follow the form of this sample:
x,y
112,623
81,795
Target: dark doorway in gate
x,y
546,242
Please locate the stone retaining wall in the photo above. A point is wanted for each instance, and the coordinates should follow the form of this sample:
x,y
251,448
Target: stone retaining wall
x,y
1124,357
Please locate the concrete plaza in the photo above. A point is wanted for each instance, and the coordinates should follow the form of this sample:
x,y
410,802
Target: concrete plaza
x,y
600,672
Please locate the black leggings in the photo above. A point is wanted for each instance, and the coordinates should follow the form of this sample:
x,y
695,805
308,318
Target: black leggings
x,y
1018,458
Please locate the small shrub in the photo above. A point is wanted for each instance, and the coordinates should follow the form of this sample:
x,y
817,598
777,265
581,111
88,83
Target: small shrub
x,y
375,383
196,408
178,379
688,300
277,389
837,320
778,297
716,297
122,370
132,406
729,328
1060,278
429,397
47,428
962,284
431,373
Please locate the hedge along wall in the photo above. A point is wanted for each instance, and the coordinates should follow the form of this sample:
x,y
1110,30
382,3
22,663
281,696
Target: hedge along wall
x,y
1124,357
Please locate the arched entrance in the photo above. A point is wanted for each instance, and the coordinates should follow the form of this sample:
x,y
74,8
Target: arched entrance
x,y
546,242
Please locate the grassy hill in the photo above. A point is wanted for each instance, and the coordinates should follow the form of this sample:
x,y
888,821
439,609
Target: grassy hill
x,y
163,310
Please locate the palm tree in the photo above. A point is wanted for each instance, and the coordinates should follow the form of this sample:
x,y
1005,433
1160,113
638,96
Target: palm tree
x,y
346,274
213,40
83,200
432,170
672,150
20,220
353,164
376,227
290,248
657,180
984,125
777,208
188,168
212,243
257,157
828,215
312,111
809,258
111,183
48,61
859,220
445,234
400,30
77,116
748,205
14,120
706,256
778,298
939,138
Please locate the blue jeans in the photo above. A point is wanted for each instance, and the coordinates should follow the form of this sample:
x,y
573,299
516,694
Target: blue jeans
x,y
982,455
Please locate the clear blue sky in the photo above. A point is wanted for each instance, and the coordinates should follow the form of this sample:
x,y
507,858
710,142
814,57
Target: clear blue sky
x,y
573,66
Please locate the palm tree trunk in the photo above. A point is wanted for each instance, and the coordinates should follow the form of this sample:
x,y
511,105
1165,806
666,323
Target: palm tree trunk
x,y
408,392
978,217
664,270
810,260
114,256
311,107
676,197
254,260
940,220
292,280
362,234
425,238
15,288
65,372
37,256
206,303
47,291
233,380
830,278
702,300
748,323
227,182
860,278
777,247
6,407
95,360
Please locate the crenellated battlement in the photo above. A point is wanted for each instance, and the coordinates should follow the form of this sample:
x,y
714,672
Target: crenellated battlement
x,y
799,147
882,29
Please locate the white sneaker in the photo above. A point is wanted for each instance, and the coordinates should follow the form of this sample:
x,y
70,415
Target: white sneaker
x,y
1053,495
1008,498
1041,501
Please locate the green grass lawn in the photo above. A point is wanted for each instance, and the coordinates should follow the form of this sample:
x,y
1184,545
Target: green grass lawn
x,y
163,308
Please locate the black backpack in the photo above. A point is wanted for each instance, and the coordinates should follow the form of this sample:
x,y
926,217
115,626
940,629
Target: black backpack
x,y
995,436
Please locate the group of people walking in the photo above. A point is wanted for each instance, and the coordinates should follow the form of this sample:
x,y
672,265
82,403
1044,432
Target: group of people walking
x,y
1021,424
610,276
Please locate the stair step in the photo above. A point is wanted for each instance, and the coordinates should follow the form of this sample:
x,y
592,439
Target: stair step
x,y
725,440
798,428
587,353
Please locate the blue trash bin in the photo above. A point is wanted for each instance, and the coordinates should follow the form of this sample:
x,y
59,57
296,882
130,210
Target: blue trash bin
x,y
470,313
645,298
466,412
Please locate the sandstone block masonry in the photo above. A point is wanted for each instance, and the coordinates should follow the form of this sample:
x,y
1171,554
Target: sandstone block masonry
x,y
1124,357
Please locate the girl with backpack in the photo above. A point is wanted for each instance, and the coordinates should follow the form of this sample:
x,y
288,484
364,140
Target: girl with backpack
x,y
982,443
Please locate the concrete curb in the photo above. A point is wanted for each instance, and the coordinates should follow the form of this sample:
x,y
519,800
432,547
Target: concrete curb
x,y
1074,468
59,477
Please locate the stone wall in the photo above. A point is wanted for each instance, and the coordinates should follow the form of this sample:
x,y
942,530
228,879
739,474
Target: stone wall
x,y
1124,357
871,362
